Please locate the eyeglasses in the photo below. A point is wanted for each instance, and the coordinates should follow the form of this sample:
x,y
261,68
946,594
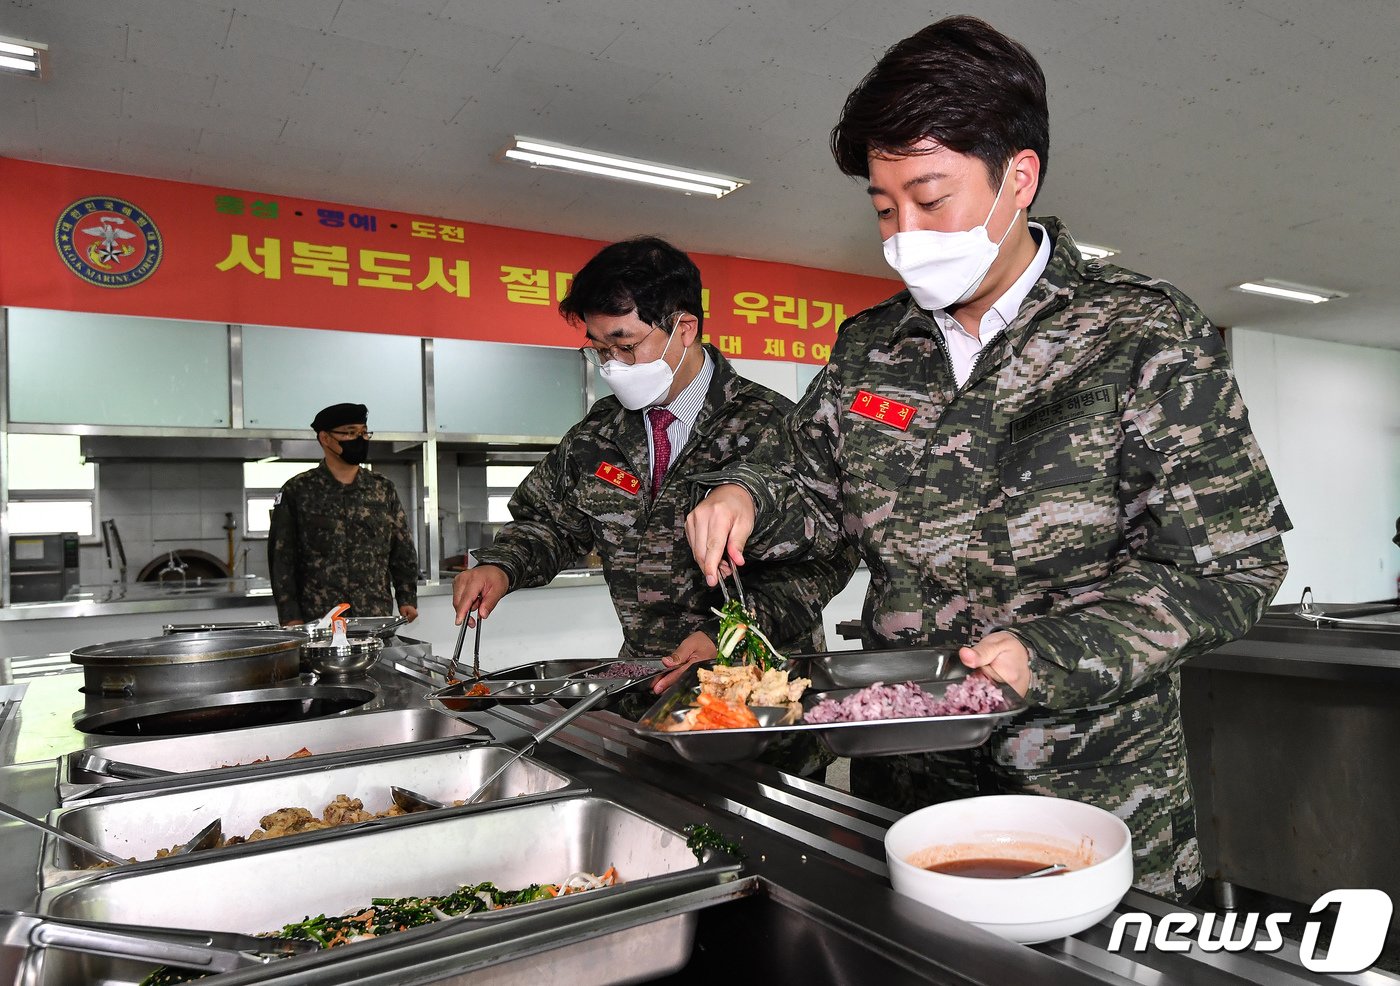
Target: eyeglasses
x,y
345,436
598,355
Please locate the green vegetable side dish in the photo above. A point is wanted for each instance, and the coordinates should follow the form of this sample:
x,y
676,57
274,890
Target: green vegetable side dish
x,y
739,641
699,838
386,915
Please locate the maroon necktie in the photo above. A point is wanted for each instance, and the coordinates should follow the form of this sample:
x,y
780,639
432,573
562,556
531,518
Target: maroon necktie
x,y
660,419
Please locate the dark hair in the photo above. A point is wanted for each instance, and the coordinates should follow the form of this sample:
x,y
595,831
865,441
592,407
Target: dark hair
x,y
646,275
960,82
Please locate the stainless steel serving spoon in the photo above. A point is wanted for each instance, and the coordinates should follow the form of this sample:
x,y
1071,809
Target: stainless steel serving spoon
x,y
1050,870
82,844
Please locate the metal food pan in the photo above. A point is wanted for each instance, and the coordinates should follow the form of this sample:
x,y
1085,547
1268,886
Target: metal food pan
x,y
256,891
863,668
871,738
371,732
886,737
140,826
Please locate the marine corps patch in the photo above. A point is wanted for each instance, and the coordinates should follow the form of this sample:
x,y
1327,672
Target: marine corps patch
x,y
108,242
1095,400
619,477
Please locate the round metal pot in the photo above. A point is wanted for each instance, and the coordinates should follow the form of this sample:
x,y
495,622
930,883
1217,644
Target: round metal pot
x,y
189,663
351,659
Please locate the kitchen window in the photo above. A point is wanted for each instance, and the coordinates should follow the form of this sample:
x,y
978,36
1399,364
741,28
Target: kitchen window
x,y
52,490
262,481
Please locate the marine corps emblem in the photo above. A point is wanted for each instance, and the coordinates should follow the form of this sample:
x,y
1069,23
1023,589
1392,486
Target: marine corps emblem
x,y
108,242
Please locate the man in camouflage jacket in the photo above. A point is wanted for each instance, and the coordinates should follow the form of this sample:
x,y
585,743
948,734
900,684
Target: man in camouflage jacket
x,y
1088,506
593,491
339,533
563,510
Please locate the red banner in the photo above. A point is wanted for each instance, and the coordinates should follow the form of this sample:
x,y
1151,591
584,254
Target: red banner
x,y
93,241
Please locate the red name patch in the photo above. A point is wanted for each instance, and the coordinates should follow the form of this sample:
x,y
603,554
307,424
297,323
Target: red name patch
x,y
883,410
619,477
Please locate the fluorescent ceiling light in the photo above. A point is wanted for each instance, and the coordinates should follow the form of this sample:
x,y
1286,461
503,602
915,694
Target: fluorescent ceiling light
x,y
1289,291
558,157
23,57
1091,252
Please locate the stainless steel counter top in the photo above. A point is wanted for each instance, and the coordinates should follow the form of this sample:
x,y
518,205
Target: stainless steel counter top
x,y
149,597
824,910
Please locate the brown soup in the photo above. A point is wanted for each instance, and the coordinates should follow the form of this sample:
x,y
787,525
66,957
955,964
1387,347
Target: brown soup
x,y
989,868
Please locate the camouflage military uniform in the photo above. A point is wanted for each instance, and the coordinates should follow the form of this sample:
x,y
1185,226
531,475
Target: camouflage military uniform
x,y
1094,488
563,510
334,542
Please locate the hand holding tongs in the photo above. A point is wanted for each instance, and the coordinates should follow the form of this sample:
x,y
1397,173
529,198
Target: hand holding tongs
x,y
476,648
205,951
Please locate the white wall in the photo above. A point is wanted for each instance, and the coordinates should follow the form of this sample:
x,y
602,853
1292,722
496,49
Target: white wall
x,y
1327,416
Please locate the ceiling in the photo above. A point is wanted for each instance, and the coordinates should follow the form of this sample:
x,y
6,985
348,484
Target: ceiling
x,y
1211,141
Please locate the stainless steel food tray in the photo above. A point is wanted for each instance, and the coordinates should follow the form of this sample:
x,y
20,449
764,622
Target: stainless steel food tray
x,y
875,738
513,846
141,825
862,668
531,690
200,759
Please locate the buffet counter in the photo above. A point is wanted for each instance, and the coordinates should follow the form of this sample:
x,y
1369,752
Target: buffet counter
x,y
811,903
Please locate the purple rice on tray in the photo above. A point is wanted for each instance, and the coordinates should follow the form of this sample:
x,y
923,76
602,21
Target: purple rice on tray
x,y
972,695
623,669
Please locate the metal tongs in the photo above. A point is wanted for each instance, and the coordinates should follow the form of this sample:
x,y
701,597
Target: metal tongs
x,y
738,587
204,951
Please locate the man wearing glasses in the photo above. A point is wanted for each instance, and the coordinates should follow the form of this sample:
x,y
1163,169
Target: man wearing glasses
x,y
339,533
619,481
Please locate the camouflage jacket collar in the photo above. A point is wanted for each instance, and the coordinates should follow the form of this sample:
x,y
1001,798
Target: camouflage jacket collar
x,y
1064,272
629,429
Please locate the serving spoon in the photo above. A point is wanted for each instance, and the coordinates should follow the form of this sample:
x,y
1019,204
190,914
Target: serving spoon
x,y
1050,870
57,833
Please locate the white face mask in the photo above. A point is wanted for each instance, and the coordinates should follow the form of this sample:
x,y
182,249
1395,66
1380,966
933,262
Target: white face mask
x,y
942,269
640,385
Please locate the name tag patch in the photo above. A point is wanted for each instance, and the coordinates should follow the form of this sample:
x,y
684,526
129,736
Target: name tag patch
x,y
619,477
1095,400
883,410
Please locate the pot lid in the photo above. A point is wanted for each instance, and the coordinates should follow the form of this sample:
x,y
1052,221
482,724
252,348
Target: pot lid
x,y
187,648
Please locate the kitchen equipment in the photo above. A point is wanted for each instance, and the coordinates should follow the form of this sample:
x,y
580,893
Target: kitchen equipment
x,y
476,651
457,648
863,668
43,826
412,801
184,714
188,664
870,738
336,871
342,657
1095,842
571,674
204,951
112,542
141,824
457,697
170,628
541,736
206,838
201,759
1050,870
91,763
43,567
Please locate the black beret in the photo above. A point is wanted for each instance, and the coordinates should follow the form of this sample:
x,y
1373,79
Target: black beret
x,y
340,414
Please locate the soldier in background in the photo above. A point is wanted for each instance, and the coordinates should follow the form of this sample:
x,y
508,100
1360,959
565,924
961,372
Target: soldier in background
x,y
1042,457
618,483
339,533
